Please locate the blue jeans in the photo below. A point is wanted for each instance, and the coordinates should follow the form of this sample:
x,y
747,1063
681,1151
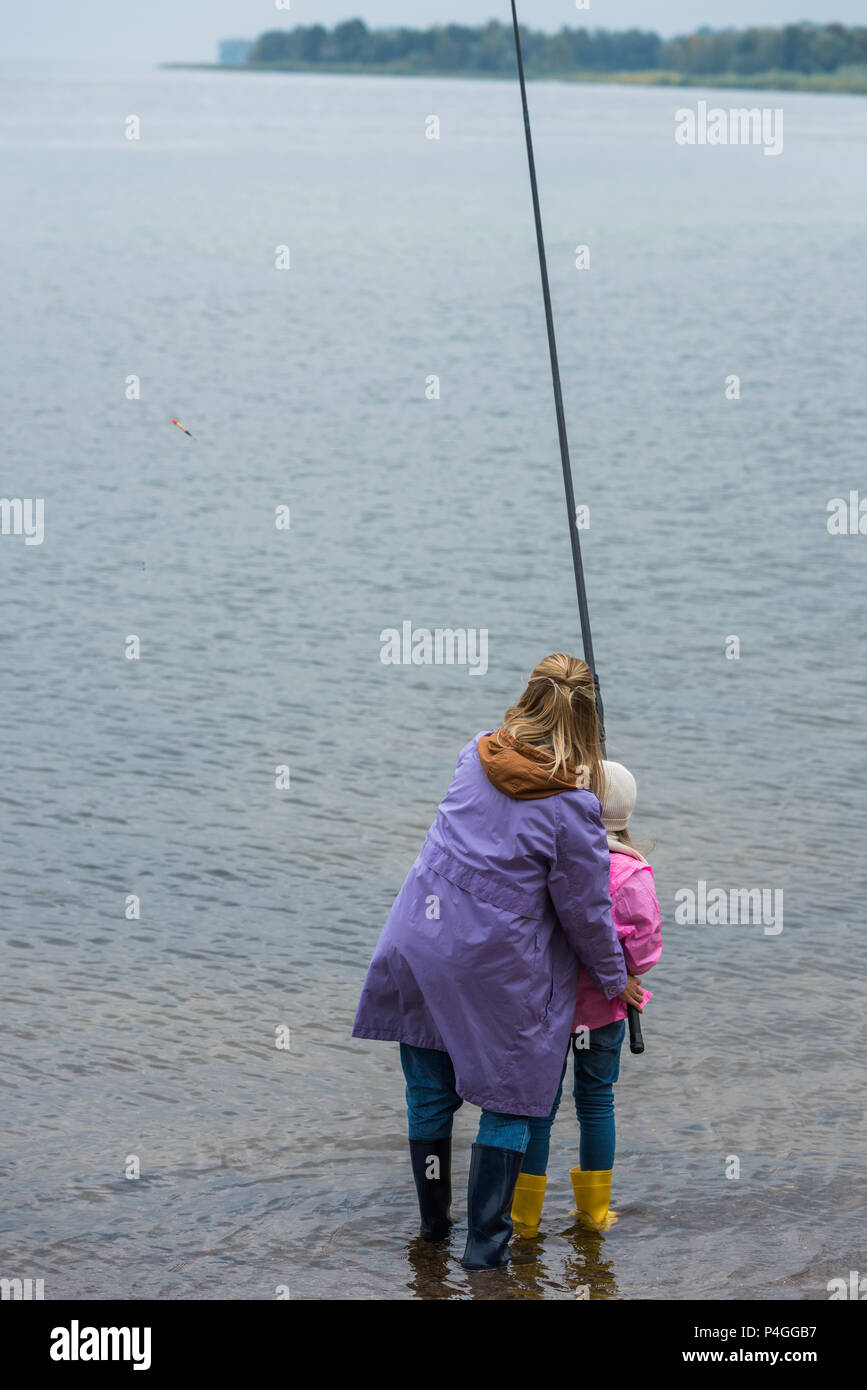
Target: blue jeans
x,y
431,1101
597,1067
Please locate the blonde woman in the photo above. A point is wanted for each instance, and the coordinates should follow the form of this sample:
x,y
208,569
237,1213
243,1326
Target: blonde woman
x,y
475,973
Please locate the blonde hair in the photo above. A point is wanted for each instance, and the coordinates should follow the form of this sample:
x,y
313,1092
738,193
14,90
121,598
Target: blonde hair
x,y
557,711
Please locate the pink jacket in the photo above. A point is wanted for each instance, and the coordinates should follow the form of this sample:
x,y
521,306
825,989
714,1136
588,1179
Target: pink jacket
x,y
639,926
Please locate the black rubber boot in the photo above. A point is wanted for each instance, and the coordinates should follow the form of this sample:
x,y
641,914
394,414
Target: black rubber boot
x,y
434,1192
493,1174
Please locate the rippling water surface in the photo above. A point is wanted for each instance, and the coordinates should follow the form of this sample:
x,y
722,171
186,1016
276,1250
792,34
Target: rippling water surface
x,y
155,1037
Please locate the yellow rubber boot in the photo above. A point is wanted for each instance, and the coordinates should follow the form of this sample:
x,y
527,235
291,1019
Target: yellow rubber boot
x,y
527,1204
592,1196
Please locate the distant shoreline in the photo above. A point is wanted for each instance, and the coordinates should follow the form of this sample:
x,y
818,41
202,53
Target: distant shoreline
x,y
835,83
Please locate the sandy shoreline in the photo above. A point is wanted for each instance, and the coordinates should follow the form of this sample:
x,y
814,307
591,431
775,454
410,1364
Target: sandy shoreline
x,y
855,85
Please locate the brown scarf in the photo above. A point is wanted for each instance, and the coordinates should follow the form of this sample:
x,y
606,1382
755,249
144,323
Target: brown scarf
x,y
521,770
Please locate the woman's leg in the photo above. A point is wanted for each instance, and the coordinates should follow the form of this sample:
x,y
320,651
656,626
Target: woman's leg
x,y
503,1180
503,1131
494,1168
431,1098
431,1101
596,1070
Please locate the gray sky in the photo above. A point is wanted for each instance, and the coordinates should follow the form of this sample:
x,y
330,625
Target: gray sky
x,y
154,30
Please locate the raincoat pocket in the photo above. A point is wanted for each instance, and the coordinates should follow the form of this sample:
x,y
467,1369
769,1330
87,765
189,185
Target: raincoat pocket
x,y
550,994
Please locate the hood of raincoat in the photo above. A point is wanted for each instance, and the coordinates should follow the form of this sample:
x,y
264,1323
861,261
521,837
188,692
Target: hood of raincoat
x,y
521,770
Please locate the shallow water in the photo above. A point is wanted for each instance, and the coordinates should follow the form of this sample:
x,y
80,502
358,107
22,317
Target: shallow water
x,y
155,1038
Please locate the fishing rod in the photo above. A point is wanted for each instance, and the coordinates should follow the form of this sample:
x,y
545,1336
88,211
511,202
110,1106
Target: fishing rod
x,y
577,565
636,1042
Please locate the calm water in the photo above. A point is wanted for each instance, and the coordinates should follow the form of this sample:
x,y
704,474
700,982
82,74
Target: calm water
x,y
155,1037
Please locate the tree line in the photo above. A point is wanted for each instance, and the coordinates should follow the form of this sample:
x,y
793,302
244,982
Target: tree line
x,y
489,48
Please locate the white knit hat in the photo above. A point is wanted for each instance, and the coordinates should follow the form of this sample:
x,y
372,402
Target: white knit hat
x,y
618,799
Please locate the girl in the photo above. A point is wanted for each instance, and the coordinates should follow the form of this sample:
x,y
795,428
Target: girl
x,y
476,970
598,1028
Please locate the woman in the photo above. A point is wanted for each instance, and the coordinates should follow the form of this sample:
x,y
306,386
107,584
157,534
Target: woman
x,y
476,970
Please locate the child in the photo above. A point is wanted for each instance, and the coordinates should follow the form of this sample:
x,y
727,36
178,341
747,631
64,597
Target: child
x,y
598,1029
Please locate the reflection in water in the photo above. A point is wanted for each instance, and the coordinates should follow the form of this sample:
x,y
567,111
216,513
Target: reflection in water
x,y
431,1266
584,1272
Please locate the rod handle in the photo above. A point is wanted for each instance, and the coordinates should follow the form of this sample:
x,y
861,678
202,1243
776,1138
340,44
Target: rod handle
x,y
636,1041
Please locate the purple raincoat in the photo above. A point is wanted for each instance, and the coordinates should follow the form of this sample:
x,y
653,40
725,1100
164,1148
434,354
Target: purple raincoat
x,y
479,956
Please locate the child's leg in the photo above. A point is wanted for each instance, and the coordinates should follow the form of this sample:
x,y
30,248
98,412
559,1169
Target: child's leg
x,y
529,1193
596,1069
431,1098
536,1156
